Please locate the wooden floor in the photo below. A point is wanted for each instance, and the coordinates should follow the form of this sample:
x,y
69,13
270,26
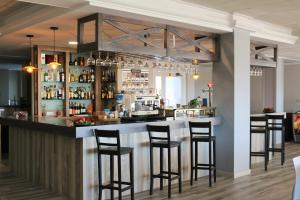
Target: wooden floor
x,y
276,184
13,188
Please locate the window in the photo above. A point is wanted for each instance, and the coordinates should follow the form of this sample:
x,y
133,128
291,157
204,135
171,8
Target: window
x,y
158,85
170,89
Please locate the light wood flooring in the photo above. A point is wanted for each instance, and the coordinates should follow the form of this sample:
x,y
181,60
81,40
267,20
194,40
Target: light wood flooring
x,y
276,184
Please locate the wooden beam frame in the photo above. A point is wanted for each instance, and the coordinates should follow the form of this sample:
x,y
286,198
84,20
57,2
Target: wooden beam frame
x,y
148,46
258,56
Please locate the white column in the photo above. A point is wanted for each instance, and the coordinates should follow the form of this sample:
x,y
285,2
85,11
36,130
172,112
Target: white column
x,y
241,102
279,98
231,76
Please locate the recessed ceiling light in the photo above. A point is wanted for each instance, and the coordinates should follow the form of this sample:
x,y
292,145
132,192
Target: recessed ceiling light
x,y
73,42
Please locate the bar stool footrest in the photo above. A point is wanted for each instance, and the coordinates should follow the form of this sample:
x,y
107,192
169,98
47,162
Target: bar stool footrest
x,y
275,149
113,187
257,153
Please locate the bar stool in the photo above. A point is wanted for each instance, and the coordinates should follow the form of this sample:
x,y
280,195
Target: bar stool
x,y
114,149
203,135
162,141
258,125
276,123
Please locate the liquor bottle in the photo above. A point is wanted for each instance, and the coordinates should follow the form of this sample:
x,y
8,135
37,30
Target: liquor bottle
x,y
71,63
62,93
72,78
71,109
92,76
102,93
46,76
70,93
62,76
57,76
75,62
59,93
83,109
80,79
81,62
103,75
79,108
44,93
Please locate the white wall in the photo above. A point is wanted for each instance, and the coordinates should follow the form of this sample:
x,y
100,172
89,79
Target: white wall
x,y
263,90
291,88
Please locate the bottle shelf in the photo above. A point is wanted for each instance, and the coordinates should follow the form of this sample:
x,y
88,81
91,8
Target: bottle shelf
x,y
53,99
53,82
82,99
78,66
77,82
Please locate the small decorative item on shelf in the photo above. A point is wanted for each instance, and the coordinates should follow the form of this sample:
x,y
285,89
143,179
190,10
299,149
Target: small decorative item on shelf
x,y
268,110
84,121
22,115
195,103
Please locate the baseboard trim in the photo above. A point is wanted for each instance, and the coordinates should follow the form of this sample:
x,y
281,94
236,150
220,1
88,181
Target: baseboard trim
x,y
243,173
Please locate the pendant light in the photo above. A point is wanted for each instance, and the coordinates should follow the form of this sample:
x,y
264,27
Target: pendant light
x,y
195,75
55,63
29,68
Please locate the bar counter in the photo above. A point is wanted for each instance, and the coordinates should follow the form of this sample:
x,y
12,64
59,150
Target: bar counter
x,y
63,158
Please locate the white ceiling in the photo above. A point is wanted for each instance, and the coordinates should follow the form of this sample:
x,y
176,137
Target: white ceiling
x,y
281,12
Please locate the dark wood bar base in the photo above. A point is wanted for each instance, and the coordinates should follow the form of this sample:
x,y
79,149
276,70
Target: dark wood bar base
x,y
46,159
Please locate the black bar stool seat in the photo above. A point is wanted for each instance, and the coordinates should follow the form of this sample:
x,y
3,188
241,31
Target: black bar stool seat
x,y
165,144
113,149
258,125
162,141
204,138
204,135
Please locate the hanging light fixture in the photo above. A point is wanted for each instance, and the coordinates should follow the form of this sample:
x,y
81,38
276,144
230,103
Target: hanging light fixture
x,y
54,64
195,75
30,67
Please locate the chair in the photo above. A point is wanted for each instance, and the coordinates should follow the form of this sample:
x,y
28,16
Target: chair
x,y
163,141
113,149
203,135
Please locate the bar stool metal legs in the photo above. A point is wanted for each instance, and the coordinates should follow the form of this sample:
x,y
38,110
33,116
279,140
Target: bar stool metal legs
x,y
276,123
162,143
258,125
205,137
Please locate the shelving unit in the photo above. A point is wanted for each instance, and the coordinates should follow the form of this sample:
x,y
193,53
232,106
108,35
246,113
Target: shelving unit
x,y
82,88
108,86
50,91
88,89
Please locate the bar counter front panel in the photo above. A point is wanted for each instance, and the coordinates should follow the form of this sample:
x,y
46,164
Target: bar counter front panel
x,y
63,158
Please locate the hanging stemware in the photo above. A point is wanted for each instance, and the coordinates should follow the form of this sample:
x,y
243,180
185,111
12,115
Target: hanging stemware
x,y
108,61
99,61
90,61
